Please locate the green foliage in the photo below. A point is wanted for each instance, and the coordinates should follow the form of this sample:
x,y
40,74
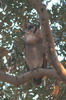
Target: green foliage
x,y
12,15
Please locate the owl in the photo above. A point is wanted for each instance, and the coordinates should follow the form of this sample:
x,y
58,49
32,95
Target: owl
x,y
34,50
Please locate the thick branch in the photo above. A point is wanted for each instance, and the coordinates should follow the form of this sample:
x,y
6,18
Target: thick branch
x,y
48,38
18,80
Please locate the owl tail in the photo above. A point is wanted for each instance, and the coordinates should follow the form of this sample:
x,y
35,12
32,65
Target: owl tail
x,y
37,81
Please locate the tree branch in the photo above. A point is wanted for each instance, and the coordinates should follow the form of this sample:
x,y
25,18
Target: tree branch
x,y
23,78
48,38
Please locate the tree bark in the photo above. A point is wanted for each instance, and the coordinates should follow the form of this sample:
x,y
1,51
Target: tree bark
x,y
23,78
48,37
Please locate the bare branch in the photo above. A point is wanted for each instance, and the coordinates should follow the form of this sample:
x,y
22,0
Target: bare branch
x,y
23,78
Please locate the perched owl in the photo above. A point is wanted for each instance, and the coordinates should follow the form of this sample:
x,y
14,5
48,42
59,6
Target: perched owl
x,y
34,51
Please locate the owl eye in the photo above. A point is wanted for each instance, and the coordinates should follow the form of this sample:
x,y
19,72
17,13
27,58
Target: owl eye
x,y
29,27
32,28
